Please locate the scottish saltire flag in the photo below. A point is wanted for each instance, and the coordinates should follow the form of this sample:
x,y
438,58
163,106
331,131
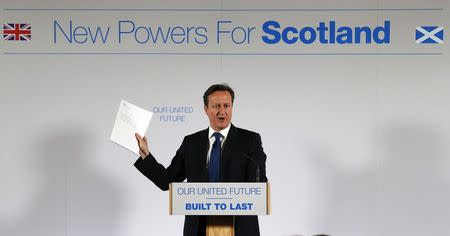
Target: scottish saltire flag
x,y
17,32
430,34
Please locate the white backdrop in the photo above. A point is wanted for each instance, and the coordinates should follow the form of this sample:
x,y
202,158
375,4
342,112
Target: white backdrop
x,y
356,135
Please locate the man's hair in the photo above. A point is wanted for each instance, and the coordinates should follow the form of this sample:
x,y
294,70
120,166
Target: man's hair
x,y
217,87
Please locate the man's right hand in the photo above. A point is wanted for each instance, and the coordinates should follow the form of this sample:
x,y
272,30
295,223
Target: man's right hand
x,y
143,145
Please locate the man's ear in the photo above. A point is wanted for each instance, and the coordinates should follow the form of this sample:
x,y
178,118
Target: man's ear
x,y
205,108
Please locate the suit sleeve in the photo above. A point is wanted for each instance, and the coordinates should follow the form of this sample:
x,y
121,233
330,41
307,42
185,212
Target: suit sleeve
x,y
260,157
158,174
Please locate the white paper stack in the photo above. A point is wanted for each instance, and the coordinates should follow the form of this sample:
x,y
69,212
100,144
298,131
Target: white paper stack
x,y
130,119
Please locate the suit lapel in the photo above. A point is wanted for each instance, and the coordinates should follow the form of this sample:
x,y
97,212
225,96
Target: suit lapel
x,y
227,148
204,143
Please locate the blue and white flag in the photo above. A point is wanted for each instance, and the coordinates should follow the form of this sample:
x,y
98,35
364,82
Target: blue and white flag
x,y
430,34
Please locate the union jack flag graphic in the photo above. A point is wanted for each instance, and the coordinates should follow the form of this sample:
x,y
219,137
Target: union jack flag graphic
x,y
17,32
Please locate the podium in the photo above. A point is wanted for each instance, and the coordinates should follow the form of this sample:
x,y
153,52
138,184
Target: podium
x,y
219,202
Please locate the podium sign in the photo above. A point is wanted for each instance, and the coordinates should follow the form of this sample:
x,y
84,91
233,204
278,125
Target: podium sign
x,y
219,199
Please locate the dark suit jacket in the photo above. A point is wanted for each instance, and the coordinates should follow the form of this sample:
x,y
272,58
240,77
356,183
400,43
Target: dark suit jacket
x,y
240,153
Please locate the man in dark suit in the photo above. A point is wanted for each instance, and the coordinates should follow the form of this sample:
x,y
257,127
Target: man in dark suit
x,y
220,153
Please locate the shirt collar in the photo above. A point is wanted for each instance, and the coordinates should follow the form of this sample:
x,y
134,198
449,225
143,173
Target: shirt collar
x,y
223,132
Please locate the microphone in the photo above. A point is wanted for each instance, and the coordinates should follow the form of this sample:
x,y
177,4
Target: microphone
x,y
252,159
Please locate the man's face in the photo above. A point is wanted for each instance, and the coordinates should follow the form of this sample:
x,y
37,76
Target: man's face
x,y
219,109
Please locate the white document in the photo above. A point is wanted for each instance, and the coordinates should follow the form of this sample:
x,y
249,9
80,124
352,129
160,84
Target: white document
x,y
130,119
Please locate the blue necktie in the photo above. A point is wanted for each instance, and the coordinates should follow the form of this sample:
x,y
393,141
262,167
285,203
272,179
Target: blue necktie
x,y
214,159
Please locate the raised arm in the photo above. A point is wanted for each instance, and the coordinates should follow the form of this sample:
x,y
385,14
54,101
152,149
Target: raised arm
x,y
156,172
